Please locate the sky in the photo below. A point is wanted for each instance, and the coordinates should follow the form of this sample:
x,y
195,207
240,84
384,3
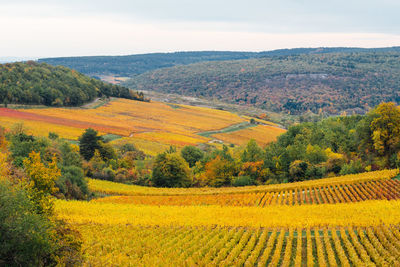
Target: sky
x,y
53,28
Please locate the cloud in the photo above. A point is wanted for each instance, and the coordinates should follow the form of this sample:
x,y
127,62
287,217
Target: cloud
x,y
65,28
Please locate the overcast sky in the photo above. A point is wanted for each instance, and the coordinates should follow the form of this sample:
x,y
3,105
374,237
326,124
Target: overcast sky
x,y
53,28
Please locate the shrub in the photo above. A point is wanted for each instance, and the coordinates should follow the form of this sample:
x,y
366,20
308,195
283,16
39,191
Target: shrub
x,y
242,181
171,170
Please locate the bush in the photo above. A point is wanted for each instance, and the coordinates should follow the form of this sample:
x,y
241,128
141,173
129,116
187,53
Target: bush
x,y
72,183
171,170
355,166
26,237
242,181
192,155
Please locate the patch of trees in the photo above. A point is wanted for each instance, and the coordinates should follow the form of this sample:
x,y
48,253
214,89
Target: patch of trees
x,y
120,163
70,183
295,83
337,145
311,150
31,234
40,83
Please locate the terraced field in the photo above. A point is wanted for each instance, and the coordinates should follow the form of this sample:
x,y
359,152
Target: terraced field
x,y
142,123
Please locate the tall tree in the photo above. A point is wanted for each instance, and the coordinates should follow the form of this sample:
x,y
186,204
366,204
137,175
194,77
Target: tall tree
x,y
88,143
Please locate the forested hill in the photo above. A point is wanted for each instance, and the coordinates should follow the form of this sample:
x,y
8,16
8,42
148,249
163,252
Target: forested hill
x,y
329,82
136,64
40,83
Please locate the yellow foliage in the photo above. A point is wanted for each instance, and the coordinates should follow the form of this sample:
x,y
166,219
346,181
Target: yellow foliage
x,y
42,180
43,128
4,166
112,188
332,155
383,189
128,245
179,140
151,229
148,147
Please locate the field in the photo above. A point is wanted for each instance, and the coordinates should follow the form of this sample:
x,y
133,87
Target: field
x,y
351,220
139,122
263,134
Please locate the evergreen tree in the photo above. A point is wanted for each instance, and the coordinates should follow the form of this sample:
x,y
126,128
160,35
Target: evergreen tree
x,y
88,143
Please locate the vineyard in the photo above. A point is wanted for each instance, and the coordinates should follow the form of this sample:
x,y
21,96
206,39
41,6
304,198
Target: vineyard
x,y
142,123
351,220
241,246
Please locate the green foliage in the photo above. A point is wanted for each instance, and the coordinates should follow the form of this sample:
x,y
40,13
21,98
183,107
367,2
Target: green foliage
x,y
133,65
107,151
137,64
242,181
171,170
34,83
252,152
297,170
26,238
192,155
71,183
53,136
354,166
89,141
339,145
32,238
22,144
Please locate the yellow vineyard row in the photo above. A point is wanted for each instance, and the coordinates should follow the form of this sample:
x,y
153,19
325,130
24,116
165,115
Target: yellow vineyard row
x,y
366,213
112,188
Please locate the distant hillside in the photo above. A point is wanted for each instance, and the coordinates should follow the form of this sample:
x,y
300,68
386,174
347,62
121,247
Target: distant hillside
x,y
40,83
136,64
330,82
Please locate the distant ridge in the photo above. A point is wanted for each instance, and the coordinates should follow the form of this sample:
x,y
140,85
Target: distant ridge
x,y
318,82
131,65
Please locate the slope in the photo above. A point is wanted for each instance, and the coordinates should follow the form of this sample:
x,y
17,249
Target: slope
x,y
332,83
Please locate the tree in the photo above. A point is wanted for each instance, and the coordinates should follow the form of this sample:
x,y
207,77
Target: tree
x,y
41,180
297,170
26,236
219,171
192,155
386,129
171,170
107,151
253,152
89,141
255,171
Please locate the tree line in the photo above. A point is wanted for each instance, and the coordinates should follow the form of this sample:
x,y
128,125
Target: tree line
x,y
311,150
